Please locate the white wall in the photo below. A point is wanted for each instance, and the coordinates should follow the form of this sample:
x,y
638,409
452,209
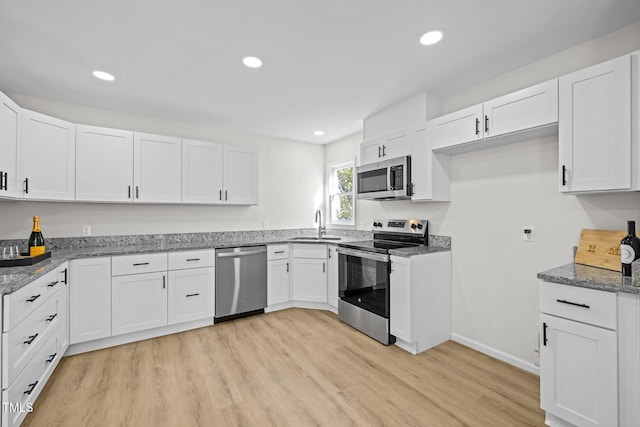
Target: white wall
x,y
497,191
291,178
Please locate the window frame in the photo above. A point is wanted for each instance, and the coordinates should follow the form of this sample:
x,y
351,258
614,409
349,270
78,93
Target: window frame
x,y
331,170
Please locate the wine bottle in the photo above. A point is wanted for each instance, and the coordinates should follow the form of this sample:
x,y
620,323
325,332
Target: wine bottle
x,y
629,248
36,240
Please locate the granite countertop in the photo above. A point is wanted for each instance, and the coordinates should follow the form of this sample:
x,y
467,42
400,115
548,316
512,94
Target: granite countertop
x,y
589,277
14,278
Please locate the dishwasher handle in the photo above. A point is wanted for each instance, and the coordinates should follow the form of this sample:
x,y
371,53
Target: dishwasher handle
x,y
239,254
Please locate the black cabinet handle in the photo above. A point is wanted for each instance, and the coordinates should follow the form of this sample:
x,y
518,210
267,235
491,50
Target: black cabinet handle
x,y
193,259
140,263
53,316
564,301
564,175
384,147
324,267
486,123
31,339
287,267
26,185
33,298
164,282
220,195
225,195
544,334
137,192
52,284
6,180
379,151
32,386
477,126
191,295
2,178
129,192
51,357
66,279
278,252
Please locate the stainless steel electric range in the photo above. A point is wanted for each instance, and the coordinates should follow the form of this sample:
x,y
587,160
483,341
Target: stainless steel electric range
x,y
364,275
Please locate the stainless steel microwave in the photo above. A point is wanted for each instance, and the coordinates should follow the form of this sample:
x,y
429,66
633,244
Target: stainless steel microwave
x,y
385,180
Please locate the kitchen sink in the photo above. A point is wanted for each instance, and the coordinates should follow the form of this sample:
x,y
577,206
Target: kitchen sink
x,y
316,239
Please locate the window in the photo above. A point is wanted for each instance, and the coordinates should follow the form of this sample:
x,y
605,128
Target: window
x,y
340,194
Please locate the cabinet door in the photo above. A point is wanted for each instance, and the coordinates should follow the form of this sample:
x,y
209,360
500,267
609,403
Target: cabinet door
x,y
578,372
104,164
310,280
594,130
138,302
63,298
397,144
201,172
527,108
370,151
332,279
89,299
47,157
278,282
157,168
457,128
400,299
240,176
191,294
9,119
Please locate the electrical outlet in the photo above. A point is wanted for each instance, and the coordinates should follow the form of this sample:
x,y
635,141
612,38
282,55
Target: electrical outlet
x,y
86,230
528,233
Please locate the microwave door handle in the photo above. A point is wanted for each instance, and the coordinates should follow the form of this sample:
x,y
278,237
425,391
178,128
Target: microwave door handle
x,y
390,179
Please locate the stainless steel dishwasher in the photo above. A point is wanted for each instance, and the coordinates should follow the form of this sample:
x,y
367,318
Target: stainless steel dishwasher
x,y
241,282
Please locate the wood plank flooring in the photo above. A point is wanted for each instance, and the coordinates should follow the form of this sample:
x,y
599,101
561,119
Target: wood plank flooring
x,y
293,367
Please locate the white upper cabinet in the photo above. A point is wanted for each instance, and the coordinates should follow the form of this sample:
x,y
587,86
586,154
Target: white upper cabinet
x,y
527,108
240,176
457,128
9,120
157,173
201,172
393,145
47,157
534,109
430,172
595,128
104,164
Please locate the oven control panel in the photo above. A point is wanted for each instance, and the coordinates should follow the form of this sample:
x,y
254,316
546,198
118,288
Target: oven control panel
x,y
409,226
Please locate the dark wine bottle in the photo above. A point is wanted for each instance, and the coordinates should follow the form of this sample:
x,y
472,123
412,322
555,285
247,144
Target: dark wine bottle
x,y
629,248
36,240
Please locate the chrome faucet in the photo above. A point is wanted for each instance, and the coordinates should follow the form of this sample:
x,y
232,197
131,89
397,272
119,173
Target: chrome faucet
x,y
321,229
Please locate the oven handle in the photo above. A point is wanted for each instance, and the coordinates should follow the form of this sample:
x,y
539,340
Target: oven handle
x,y
364,254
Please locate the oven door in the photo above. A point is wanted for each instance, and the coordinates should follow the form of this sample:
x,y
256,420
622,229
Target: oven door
x,y
364,280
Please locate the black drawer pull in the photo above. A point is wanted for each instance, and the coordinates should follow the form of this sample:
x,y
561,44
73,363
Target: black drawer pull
x,y
66,278
477,126
31,339
51,357
192,295
32,386
52,284
193,259
53,316
544,334
564,175
140,263
33,298
278,252
573,303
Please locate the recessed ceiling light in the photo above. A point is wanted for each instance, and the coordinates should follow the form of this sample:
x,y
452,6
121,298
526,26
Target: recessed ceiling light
x,y
103,76
432,37
252,62
318,133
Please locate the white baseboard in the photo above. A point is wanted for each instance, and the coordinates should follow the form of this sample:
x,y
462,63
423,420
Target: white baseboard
x,y
498,354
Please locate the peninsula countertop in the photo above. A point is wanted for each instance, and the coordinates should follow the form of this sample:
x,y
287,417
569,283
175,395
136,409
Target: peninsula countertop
x,y
590,277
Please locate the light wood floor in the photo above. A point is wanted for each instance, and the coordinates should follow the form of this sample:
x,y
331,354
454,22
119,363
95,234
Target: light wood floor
x,y
288,368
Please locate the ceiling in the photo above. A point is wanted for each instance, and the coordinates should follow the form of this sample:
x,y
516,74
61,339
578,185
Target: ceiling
x,y
327,64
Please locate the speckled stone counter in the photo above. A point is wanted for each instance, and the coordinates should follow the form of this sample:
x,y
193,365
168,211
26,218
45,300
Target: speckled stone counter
x,y
65,249
589,277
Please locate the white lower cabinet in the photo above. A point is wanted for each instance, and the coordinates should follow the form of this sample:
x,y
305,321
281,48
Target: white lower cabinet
x,y
139,302
191,294
278,275
310,273
90,299
333,276
578,356
34,339
420,300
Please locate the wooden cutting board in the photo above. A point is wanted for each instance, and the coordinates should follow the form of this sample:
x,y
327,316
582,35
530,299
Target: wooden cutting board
x,y
600,248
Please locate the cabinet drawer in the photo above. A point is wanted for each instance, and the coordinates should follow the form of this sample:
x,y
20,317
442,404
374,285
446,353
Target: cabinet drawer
x,y
30,382
134,264
277,252
584,305
26,339
303,250
25,300
192,259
